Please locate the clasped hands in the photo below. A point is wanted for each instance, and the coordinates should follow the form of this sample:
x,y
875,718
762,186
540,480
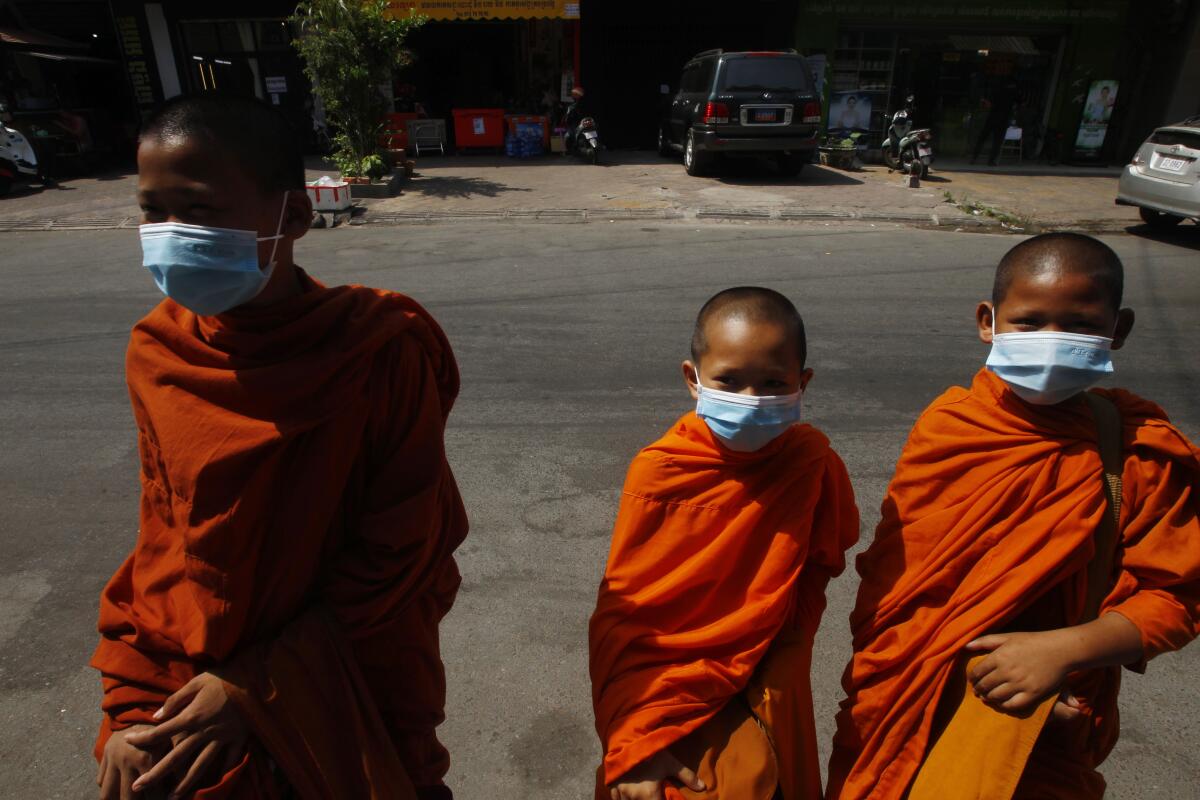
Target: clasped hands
x,y
198,734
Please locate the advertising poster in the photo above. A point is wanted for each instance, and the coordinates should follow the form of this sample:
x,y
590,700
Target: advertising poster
x,y
1097,111
849,112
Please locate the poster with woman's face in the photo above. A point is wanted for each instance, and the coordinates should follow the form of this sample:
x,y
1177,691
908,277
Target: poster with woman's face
x,y
849,111
1100,100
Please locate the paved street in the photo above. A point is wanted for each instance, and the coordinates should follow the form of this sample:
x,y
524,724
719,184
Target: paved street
x,y
569,338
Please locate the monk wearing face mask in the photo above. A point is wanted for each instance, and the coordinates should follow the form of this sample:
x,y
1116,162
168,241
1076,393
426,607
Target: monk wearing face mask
x,y
274,631
730,527
1037,538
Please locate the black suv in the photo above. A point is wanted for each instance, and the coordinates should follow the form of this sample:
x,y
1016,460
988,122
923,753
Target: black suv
x,y
743,104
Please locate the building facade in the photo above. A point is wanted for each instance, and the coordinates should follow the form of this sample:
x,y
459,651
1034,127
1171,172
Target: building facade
x,y
1100,72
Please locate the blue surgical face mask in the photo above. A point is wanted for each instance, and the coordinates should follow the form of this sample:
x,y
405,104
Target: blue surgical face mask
x,y
745,422
207,270
1048,367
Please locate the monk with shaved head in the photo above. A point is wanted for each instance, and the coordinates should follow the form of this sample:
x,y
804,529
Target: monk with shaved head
x,y
1037,537
729,529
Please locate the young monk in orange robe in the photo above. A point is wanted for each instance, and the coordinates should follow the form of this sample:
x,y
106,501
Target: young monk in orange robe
x,y
988,530
275,630
730,527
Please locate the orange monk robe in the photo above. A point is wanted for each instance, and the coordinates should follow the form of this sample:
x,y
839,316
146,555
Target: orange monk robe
x,y
298,519
714,557
994,504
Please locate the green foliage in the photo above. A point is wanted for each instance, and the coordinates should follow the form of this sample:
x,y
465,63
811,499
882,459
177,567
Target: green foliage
x,y
350,48
844,142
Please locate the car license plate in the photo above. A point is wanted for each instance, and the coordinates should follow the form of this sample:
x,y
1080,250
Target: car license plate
x,y
1173,164
923,151
764,115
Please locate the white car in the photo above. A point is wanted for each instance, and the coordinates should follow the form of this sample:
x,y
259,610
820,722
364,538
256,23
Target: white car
x,y
1163,180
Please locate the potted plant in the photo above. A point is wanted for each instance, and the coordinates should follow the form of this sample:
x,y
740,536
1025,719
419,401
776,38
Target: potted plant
x,y
350,48
839,151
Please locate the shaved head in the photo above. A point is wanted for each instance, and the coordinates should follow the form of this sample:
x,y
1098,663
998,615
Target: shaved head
x,y
750,304
1062,253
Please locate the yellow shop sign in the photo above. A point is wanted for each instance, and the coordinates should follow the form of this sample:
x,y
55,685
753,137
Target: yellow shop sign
x,y
487,9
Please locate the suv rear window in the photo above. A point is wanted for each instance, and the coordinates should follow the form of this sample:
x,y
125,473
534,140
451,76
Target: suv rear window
x,y
757,73
1169,138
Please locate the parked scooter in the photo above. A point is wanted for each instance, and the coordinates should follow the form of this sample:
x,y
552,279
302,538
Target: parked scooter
x,y
907,149
584,140
17,160
581,135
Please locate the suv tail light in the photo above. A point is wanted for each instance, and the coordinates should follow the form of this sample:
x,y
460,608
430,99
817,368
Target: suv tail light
x,y
812,112
716,114
1137,159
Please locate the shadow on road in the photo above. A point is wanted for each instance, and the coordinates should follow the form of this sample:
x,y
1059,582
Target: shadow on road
x,y
760,172
457,187
1184,235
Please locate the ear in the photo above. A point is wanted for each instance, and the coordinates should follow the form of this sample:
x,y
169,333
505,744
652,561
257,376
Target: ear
x,y
297,219
1124,326
691,377
805,377
984,318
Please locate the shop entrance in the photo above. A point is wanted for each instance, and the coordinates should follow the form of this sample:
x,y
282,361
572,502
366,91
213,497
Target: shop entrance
x,y
516,65
953,78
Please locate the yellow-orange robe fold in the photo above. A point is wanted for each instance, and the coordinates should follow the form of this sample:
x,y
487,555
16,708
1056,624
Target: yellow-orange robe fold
x,y
991,514
713,556
298,520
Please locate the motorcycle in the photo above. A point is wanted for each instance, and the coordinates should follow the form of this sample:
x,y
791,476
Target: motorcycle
x,y
906,149
582,138
18,162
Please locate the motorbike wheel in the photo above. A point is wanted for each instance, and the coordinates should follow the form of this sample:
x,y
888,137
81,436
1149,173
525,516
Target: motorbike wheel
x,y
909,159
593,156
892,162
5,186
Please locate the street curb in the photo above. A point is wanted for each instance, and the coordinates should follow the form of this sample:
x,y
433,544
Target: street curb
x,y
576,215
586,215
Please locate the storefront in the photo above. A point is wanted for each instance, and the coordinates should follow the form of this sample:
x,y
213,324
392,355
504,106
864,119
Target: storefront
x,y
61,78
517,55
1039,58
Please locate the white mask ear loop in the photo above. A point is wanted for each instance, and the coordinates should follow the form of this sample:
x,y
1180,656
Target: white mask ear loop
x,y
278,234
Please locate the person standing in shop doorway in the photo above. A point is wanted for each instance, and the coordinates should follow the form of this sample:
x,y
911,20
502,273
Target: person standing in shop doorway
x,y
999,104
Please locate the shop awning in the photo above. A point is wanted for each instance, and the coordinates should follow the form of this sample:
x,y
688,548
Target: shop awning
x,y
441,10
1018,45
71,57
25,38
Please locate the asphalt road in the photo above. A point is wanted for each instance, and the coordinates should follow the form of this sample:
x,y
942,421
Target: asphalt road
x,y
569,338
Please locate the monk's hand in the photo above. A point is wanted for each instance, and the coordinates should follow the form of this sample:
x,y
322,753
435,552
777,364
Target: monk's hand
x,y
645,781
204,731
1020,670
121,764
1067,709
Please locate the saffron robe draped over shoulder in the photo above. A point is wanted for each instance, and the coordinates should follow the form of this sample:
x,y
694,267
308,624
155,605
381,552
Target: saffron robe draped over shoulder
x,y
714,555
298,520
988,523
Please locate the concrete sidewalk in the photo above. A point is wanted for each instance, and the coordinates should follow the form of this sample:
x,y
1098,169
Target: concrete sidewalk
x,y
639,185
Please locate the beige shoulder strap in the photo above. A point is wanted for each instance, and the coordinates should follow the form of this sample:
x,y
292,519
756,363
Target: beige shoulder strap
x,y
1108,425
